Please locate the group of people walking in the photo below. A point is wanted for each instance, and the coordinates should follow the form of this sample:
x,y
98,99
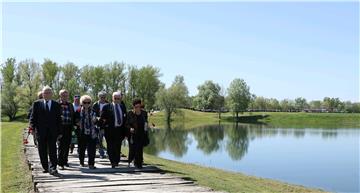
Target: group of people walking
x,y
53,123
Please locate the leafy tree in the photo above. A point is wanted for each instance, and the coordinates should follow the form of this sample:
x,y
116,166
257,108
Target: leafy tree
x,y
97,80
144,83
300,103
315,104
92,80
274,104
86,78
50,70
260,103
70,79
9,103
239,96
172,98
209,97
148,84
115,77
331,104
30,77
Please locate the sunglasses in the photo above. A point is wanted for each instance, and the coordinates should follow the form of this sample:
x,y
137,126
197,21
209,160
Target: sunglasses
x,y
86,103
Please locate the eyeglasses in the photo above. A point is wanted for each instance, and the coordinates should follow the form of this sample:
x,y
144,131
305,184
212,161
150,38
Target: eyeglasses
x,y
86,103
117,98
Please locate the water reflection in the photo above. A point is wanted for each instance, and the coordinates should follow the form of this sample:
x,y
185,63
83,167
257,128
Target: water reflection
x,y
209,137
170,139
234,137
238,142
320,157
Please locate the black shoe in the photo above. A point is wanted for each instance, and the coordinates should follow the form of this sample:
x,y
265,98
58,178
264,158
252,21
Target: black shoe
x,y
67,165
45,171
92,167
54,173
113,166
138,166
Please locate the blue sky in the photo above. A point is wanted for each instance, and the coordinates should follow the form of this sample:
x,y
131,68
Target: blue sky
x,y
281,49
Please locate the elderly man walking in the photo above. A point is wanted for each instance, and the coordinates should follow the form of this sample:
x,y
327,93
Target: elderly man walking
x,y
97,108
46,120
67,123
113,118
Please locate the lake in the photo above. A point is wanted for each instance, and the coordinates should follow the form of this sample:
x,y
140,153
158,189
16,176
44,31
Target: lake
x,y
325,158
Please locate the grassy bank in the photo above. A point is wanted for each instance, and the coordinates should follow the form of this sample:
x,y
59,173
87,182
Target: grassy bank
x,y
188,119
15,174
223,180
185,119
315,120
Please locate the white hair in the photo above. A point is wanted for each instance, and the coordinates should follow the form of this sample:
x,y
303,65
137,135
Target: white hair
x,y
46,88
117,93
85,97
62,91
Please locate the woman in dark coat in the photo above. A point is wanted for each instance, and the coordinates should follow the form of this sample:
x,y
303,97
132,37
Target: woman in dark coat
x,y
137,125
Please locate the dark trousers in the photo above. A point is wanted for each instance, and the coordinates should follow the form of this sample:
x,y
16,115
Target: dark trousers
x,y
86,142
114,138
47,147
136,148
64,143
102,148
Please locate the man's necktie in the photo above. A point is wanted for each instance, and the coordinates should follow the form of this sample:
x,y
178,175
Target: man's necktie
x,y
47,106
118,115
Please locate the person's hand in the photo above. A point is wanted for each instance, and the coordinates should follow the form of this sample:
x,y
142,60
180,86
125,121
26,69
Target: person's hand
x,y
59,137
132,130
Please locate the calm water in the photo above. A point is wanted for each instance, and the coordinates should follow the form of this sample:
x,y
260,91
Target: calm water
x,y
320,158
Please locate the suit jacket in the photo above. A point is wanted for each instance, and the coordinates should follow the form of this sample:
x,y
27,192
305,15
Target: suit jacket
x,y
96,109
46,123
107,116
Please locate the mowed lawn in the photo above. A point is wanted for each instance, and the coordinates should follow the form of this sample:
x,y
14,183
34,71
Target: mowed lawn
x,y
15,174
188,119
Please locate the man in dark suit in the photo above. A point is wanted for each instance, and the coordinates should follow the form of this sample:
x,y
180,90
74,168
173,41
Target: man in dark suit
x,y
46,120
97,108
113,119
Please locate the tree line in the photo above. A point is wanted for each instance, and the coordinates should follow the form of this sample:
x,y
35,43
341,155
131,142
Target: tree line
x,y
301,104
22,80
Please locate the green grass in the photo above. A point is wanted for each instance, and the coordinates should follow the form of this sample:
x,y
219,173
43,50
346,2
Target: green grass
x,y
223,180
15,174
188,119
314,120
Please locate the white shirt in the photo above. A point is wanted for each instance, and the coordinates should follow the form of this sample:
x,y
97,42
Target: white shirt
x,y
76,106
49,104
102,105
